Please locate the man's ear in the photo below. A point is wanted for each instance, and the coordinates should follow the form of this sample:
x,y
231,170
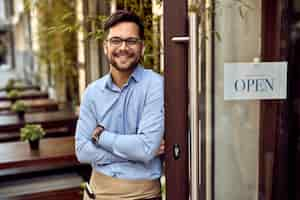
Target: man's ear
x,y
143,50
105,48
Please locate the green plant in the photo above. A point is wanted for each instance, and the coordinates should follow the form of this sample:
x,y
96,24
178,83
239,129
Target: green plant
x,y
32,132
19,106
58,46
57,26
10,84
13,94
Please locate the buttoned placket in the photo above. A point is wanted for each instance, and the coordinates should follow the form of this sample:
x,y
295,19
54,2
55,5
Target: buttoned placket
x,y
122,113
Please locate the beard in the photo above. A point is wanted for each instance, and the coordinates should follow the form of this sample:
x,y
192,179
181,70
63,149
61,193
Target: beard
x,y
112,60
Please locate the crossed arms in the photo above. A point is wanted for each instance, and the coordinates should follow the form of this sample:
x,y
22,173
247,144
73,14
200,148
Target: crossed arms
x,y
113,147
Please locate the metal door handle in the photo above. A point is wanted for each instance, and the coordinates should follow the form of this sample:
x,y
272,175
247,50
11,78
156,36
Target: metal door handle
x,y
181,39
194,105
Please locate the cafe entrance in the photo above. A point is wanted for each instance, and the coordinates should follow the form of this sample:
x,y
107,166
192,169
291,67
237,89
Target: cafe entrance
x,y
246,149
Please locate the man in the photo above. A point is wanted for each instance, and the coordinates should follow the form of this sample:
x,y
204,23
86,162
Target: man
x,y
121,120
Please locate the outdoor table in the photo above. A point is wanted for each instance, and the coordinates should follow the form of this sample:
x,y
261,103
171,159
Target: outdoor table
x,y
23,87
32,104
28,94
51,151
62,118
51,171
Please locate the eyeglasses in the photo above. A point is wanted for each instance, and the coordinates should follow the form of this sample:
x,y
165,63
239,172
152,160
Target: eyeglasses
x,y
117,41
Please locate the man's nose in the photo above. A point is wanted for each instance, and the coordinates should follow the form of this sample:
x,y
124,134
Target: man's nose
x,y
123,45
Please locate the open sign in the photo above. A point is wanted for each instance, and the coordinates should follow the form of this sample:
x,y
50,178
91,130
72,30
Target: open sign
x,y
255,80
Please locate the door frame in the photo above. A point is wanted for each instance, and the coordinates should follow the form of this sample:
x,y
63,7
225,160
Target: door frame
x,y
273,151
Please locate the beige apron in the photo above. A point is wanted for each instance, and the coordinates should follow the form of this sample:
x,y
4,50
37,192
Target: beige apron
x,y
109,188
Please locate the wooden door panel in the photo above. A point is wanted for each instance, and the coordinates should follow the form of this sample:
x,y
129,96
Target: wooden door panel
x,y
176,99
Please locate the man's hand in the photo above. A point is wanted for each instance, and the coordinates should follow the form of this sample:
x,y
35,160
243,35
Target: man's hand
x,y
161,149
96,134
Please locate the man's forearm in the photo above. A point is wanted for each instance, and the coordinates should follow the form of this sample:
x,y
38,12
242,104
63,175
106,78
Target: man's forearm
x,y
87,152
135,147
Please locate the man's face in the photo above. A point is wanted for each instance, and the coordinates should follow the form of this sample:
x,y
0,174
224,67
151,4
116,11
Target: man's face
x,y
123,56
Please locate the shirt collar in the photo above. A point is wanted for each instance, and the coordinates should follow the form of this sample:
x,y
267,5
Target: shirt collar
x,y
137,73
136,76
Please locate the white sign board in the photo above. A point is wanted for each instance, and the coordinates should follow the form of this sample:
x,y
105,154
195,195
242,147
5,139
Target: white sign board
x,y
244,81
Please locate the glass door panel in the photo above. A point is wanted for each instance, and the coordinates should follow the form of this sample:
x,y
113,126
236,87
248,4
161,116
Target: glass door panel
x,y
235,123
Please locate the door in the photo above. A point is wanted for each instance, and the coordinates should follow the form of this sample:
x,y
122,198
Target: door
x,y
242,144
217,140
176,99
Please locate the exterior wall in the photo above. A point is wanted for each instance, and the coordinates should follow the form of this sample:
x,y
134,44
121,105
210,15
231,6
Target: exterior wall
x,y
21,49
236,122
22,43
6,33
2,10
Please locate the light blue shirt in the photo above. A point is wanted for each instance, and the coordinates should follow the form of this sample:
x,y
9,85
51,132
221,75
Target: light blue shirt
x,y
133,118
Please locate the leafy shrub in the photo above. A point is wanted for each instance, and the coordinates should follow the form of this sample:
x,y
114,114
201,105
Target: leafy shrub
x,y
32,132
13,94
10,85
19,106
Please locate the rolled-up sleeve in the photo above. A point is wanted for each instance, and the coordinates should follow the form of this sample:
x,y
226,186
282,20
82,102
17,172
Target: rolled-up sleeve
x,y
86,151
143,145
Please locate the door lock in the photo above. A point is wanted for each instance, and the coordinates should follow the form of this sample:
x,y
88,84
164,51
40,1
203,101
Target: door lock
x,y
176,151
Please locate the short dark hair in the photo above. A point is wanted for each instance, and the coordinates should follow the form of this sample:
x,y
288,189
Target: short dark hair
x,y
124,16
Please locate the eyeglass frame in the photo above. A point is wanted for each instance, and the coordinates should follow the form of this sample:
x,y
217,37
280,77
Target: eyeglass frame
x,y
126,40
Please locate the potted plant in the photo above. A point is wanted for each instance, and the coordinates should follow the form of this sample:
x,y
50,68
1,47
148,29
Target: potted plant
x,y
12,95
32,133
19,107
10,85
